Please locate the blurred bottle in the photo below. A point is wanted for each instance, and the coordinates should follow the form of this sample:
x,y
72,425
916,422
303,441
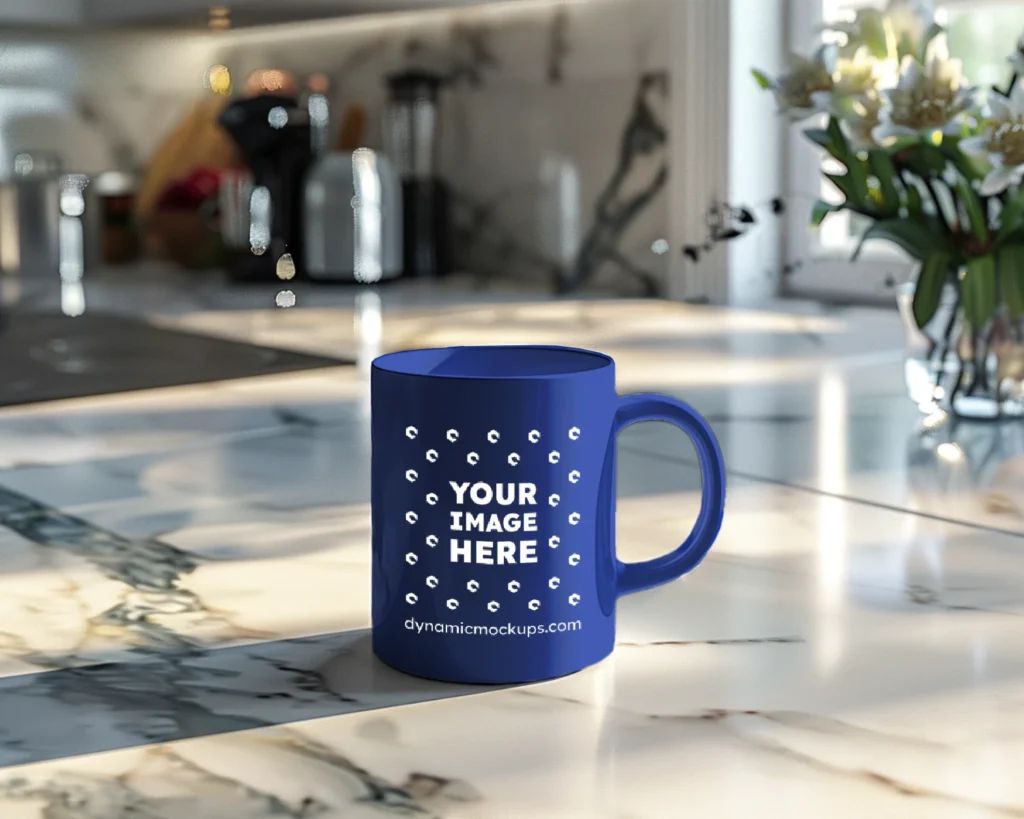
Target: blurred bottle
x,y
112,203
411,140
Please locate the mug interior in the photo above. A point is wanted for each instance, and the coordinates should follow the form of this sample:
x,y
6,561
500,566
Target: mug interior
x,y
512,361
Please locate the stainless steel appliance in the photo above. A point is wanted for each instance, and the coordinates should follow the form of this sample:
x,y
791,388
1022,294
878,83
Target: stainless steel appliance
x,y
30,208
234,199
353,218
273,136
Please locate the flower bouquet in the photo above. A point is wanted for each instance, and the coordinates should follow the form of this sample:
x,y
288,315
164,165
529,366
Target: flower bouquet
x,y
934,167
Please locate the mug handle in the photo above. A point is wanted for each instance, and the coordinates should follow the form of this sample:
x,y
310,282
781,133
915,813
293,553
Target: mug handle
x,y
634,577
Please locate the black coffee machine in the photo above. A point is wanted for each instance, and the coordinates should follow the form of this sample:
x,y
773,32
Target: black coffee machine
x,y
272,133
410,134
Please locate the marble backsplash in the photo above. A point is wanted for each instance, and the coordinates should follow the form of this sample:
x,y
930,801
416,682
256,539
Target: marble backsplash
x,y
552,126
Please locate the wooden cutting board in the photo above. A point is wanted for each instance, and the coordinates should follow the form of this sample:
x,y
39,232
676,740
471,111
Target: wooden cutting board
x,y
353,127
198,141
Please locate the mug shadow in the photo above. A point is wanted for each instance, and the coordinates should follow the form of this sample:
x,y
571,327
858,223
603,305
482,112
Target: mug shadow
x,y
158,697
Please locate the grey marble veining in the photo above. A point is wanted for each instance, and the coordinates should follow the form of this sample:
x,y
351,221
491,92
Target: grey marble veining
x,y
150,569
164,693
184,601
166,684
643,136
145,792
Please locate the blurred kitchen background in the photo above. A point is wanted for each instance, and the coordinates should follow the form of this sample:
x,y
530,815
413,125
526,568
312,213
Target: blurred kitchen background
x,y
603,147
519,141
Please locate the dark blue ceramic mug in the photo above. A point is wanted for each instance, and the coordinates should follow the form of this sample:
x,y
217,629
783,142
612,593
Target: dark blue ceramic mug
x,y
493,510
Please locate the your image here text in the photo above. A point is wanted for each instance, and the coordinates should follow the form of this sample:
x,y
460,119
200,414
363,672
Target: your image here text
x,y
493,551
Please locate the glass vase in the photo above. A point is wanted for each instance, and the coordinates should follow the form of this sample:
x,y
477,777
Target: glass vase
x,y
970,375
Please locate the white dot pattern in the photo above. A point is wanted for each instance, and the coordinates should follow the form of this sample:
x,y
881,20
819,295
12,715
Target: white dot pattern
x,y
473,458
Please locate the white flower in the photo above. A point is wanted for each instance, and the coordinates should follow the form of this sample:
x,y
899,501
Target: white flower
x,y
909,21
855,98
797,91
860,121
928,99
897,30
1002,141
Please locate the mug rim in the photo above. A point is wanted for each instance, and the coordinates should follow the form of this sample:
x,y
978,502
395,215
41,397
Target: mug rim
x,y
390,362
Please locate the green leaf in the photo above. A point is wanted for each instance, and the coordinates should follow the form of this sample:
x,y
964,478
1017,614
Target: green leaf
x,y
885,173
1010,265
821,211
899,144
964,164
915,202
928,158
762,79
933,275
923,158
831,139
934,30
975,212
838,145
912,237
854,186
857,173
873,33
978,290
819,136
1011,217
905,48
842,181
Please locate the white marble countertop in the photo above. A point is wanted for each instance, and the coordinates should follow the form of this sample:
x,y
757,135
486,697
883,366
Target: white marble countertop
x,y
184,589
